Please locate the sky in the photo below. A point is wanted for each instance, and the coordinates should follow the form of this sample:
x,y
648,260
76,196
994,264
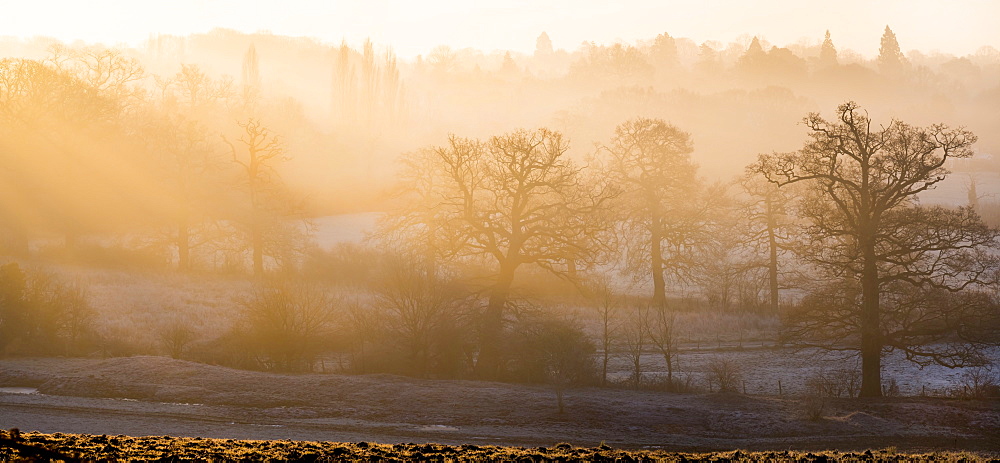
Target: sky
x,y
958,27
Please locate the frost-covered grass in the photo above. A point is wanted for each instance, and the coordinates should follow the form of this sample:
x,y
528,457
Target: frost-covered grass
x,y
761,368
133,309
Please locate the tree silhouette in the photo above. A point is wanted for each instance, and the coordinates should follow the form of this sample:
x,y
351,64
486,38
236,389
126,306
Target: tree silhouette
x,y
258,152
663,54
414,225
827,52
287,323
651,161
189,105
251,80
765,212
866,229
755,56
67,144
191,164
513,201
417,310
543,46
890,58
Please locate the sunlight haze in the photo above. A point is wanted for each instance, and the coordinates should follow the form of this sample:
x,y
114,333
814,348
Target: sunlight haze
x,y
413,28
529,230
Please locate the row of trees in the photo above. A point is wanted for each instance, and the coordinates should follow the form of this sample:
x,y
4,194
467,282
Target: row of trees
x,y
886,272
883,271
41,314
93,144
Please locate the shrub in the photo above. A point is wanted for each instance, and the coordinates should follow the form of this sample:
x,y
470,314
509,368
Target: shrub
x,y
725,375
411,323
683,383
556,352
813,407
42,315
176,337
551,349
891,388
836,383
978,382
419,317
287,324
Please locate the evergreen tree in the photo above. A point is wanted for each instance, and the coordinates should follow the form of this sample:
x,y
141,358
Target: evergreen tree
x,y
754,61
663,53
251,78
509,67
827,52
890,59
543,45
755,49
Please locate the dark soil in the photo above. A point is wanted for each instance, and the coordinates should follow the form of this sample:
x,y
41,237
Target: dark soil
x,y
74,447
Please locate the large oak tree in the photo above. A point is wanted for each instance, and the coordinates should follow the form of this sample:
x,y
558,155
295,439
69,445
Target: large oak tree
x,y
867,228
512,201
651,162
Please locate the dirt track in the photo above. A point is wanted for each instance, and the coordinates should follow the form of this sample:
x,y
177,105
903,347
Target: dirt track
x,y
186,399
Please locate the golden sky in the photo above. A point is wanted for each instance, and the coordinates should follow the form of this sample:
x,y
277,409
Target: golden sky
x,y
414,27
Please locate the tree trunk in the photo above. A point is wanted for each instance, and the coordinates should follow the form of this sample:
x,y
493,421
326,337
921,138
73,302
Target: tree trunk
x,y
871,339
656,265
772,268
488,364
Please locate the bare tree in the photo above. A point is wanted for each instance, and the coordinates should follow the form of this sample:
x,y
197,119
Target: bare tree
x,y
665,213
765,211
866,228
516,200
288,323
416,222
258,152
607,304
661,326
190,163
54,122
557,351
345,99
634,338
182,132
417,308
32,100
197,94
108,72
